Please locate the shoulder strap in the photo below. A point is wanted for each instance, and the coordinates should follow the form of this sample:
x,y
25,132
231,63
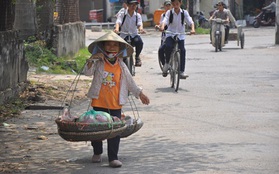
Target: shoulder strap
x,y
125,18
182,17
136,19
171,17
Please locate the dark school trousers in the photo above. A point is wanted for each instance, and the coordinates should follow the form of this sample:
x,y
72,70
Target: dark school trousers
x,y
169,42
136,42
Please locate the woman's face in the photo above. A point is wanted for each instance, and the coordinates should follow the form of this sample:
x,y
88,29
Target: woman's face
x,y
111,47
176,4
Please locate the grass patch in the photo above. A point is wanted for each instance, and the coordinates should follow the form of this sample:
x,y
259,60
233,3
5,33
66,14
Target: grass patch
x,y
44,61
200,30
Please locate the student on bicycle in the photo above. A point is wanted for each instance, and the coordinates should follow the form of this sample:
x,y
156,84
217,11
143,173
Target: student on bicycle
x,y
167,6
175,20
131,22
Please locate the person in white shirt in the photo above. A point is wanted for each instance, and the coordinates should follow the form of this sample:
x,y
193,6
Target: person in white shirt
x,y
167,6
131,22
175,20
122,10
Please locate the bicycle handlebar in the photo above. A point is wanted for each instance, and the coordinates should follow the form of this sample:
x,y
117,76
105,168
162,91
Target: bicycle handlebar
x,y
176,33
128,33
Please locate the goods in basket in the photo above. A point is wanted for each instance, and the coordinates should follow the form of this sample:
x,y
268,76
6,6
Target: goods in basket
x,y
128,120
93,116
66,116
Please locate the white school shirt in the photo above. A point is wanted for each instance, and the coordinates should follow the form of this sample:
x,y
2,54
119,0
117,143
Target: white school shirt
x,y
176,25
129,25
163,36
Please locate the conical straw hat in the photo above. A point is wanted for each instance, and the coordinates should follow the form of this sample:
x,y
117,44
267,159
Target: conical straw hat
x,y
95,46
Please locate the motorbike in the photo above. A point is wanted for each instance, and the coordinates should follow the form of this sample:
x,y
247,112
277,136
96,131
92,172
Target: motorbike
x,y
218,34
263,19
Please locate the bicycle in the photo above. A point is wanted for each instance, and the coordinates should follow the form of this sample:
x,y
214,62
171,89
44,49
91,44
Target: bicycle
x,y
174,69
129,61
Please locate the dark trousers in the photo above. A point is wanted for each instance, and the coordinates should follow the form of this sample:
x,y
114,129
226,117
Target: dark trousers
x,y
227,31
161,52
136,42
113,143
169,47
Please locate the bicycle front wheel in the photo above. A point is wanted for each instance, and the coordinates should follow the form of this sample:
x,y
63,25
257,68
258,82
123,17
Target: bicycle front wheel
x,y
129,63
177,70
132,66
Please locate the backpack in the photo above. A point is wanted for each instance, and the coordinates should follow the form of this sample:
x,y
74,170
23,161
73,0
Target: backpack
x,y
182,17
125,18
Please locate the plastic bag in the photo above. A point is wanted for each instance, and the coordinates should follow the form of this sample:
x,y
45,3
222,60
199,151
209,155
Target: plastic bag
x,y
93,116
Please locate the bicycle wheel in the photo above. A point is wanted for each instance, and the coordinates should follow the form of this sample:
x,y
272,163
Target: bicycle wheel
x,y
129,63
132,66
171,70
176,69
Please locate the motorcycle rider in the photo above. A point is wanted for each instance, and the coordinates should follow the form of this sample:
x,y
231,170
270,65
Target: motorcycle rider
x,y
223,14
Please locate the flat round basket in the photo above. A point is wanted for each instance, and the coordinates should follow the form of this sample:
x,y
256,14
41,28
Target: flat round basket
x,y
132,128
86,127
91,136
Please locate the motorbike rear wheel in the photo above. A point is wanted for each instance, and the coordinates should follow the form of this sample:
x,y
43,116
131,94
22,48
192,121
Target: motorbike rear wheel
x,y
256,24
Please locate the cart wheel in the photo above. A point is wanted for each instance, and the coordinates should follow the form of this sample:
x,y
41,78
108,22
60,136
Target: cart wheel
x,y
242,40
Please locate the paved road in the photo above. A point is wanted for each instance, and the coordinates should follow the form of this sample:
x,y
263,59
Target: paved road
x,y
224,118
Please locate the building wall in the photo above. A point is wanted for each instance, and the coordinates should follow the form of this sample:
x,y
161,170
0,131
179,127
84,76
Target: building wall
x,y
68,38
13,66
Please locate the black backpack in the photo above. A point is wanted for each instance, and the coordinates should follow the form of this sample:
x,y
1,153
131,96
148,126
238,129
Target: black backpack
x,y
125,18
182,17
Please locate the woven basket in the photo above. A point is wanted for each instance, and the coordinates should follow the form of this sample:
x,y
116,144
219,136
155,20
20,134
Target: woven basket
x,y
91,136
132,128
86,127
75,131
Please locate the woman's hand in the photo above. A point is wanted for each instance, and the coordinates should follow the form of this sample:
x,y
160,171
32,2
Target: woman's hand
x,y
91,59
144,99
96,56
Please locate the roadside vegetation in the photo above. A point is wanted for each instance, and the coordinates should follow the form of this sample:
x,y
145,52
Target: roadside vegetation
x,y
42,59
200,30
